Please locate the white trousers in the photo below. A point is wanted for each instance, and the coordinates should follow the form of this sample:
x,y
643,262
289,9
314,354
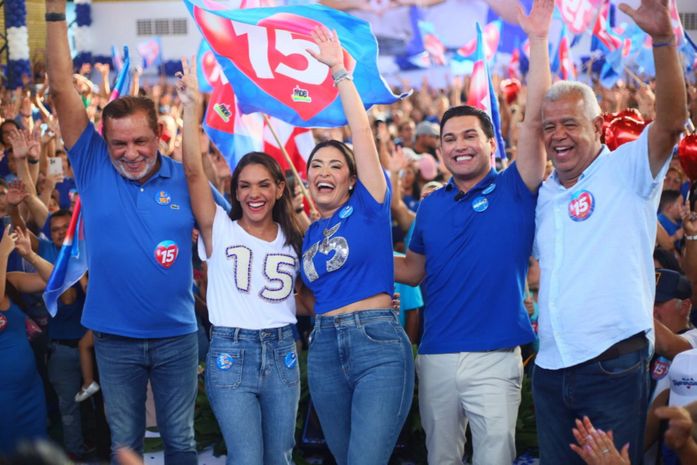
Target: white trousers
x,y
480,387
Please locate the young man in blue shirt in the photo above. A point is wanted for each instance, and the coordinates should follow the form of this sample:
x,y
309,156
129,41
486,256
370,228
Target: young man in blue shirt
x,y
471,246
138,225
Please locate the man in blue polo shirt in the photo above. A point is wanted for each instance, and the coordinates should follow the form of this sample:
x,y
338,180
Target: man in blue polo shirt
x,y
138,225
471,246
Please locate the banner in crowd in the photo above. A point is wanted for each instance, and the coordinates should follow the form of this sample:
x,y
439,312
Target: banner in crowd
x,y
263,53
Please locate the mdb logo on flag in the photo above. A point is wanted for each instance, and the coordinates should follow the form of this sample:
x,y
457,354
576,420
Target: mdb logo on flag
x,y
263,53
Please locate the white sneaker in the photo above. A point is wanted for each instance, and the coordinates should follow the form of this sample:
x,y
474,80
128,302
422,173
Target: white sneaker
x,y
87,392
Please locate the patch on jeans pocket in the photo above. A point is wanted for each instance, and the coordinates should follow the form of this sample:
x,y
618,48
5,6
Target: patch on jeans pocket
x,y
290,359
224,361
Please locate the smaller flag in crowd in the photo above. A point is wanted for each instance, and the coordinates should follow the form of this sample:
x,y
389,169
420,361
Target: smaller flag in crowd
x,y
71,263
123,78
482,95
151,52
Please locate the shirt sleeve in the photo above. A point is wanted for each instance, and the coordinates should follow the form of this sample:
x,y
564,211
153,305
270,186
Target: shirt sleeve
x,y
417,241
634,167
367,202
220,223
86,156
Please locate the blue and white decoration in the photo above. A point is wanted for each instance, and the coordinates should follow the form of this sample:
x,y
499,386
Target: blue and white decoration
x,y
83,32
17,42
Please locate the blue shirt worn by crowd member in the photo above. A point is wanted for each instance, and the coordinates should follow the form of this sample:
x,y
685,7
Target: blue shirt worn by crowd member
x,y
138,239
477,246
355,243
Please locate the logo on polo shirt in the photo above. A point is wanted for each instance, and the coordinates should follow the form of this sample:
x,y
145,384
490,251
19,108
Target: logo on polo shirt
x,y
3,322
163,198
166,253
581,205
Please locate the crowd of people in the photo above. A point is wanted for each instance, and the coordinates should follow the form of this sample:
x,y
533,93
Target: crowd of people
x,y
580,258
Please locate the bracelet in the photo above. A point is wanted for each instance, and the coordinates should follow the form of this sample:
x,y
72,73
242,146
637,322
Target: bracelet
x,y
691,238
342,75
664,44
54,17
32,162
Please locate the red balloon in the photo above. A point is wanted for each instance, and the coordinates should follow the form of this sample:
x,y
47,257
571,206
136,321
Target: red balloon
x,y
510,89
621,130
631,113
687,153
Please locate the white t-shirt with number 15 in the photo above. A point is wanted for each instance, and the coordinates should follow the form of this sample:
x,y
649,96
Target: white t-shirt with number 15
x,y
251,281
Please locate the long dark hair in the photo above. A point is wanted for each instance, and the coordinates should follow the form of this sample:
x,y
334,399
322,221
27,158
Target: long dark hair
x,y
282,212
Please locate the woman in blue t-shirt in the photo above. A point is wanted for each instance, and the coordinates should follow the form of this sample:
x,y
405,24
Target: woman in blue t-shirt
x,y
360,366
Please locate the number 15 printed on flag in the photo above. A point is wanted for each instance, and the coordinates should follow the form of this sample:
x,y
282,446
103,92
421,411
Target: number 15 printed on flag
x,y
263,53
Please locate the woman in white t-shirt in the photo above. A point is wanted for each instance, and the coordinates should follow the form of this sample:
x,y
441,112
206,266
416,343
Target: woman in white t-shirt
x,y
252,376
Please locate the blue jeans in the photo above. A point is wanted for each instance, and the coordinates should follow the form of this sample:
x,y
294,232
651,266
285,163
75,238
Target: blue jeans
x,y
253,385
361,376
66,378
612,393
125,365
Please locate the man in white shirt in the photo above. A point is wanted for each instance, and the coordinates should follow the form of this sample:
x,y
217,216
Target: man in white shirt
x,y
595,231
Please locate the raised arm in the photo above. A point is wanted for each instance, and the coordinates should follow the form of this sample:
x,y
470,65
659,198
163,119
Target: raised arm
x,y
653,17
28,281
7,245
530,152
367,161
199,190
67,102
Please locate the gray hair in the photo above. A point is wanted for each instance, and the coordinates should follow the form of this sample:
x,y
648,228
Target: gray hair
x,y
561,89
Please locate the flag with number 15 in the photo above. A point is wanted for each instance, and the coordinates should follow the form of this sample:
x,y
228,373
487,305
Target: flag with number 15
x,y
263,53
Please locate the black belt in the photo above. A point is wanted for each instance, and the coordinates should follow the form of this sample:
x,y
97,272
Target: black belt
x,y
67,342
626,346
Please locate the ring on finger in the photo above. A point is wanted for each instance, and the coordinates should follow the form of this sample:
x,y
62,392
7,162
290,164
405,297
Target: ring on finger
x,y
605,451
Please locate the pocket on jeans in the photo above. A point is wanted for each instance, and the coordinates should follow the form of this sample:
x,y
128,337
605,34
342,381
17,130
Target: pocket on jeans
x,y
287,365
624,364
224,368
382,332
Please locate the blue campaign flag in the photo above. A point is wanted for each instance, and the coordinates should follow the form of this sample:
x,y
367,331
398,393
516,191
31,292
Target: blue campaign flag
x,y
71,263
263,53
123,78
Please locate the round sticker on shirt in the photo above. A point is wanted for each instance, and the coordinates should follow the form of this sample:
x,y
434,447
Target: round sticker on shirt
x,y
489,189
224,361
166,253
346,212
163,198
3,322
480,204
581,205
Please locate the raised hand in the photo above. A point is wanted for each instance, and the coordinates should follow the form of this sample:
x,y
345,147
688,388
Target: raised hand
x,y
536,24
679,426
653,17
22,242
187,83
7,244
330,51
396,162
20,144
16,192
